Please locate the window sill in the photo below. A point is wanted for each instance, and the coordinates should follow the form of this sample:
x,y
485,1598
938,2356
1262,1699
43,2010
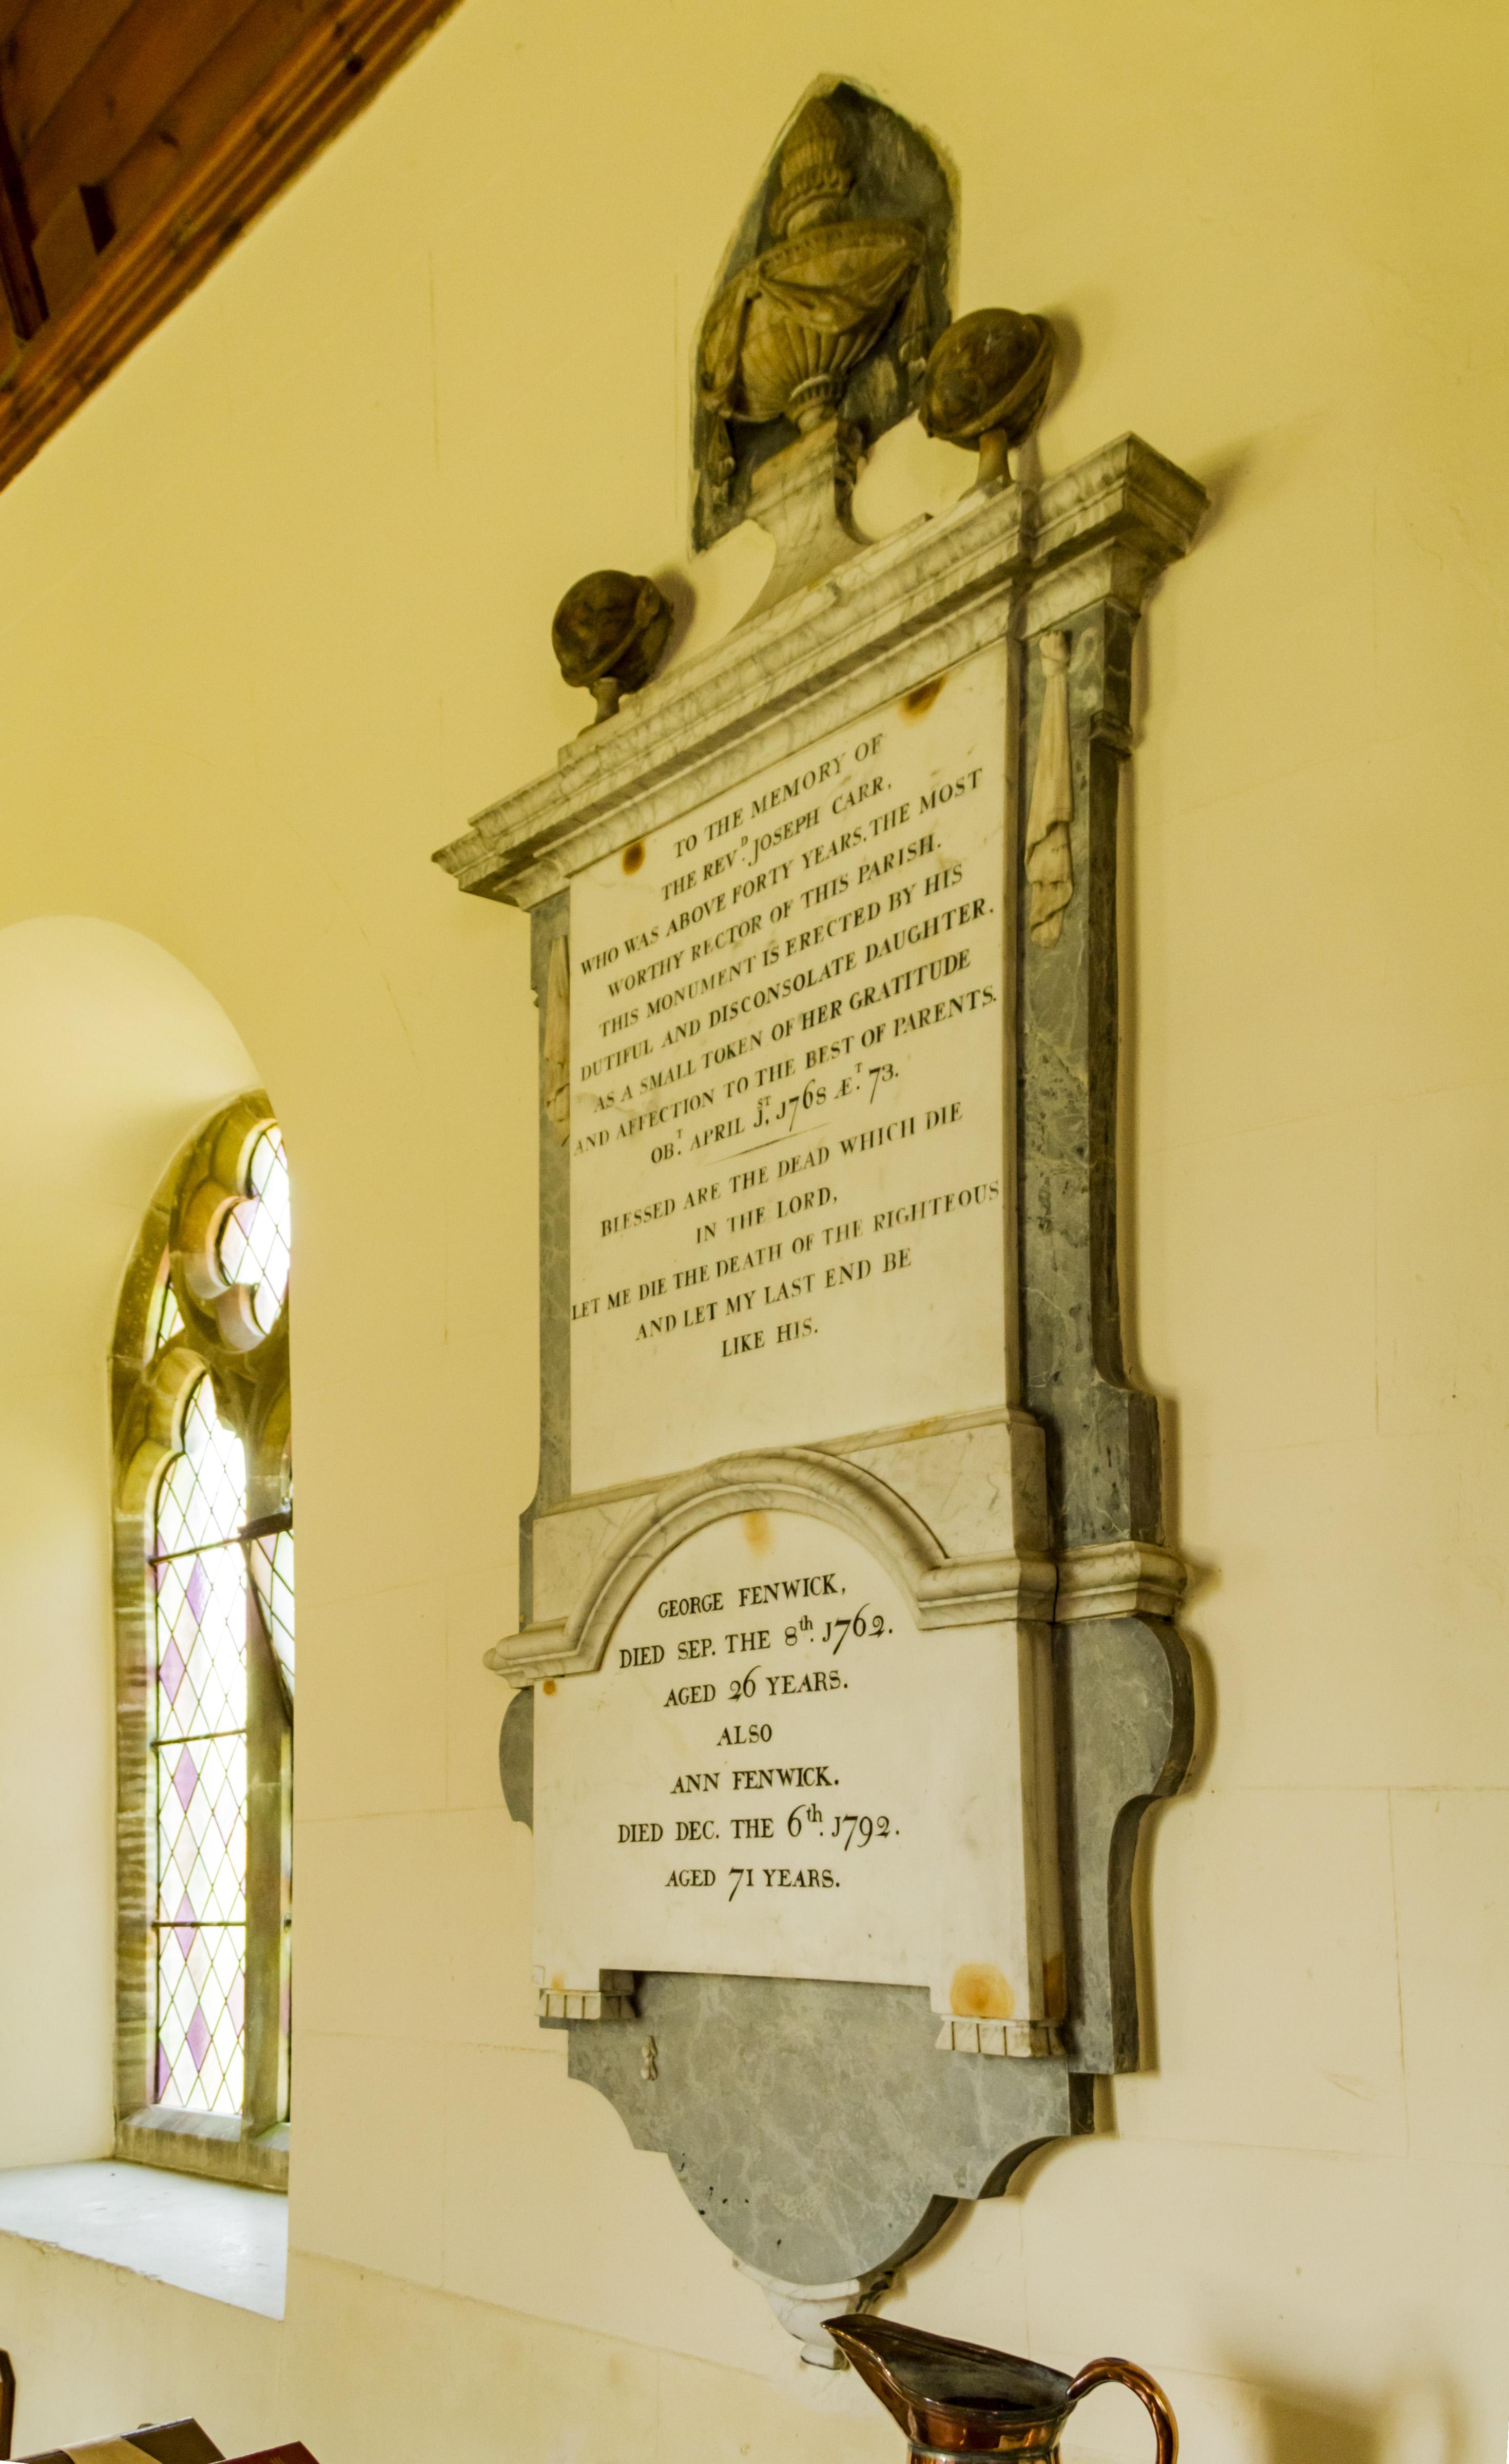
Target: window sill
x,y
207,2144
212,2238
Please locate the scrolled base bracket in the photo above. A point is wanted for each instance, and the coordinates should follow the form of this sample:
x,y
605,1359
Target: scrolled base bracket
x,y
803,2308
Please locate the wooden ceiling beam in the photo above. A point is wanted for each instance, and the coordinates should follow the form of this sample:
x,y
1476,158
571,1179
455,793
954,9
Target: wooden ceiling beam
x,y
18,274
335,69
49,51
234,71
153,50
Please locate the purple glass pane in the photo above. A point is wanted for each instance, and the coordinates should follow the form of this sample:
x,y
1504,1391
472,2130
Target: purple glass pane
x,y
171,1671
199,2018
202,1833
210,1641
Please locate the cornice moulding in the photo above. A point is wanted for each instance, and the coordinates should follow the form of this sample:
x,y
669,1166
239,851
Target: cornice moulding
x,y
1116,1579
887,620
1120,1579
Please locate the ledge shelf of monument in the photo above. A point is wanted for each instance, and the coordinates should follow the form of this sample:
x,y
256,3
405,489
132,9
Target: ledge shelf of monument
x,y
845,1666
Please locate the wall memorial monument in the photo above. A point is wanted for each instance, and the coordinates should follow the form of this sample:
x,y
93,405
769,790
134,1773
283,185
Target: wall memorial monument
x,y
846,1668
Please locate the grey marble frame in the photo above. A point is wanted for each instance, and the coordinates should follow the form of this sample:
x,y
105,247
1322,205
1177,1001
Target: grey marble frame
x,y
815,2127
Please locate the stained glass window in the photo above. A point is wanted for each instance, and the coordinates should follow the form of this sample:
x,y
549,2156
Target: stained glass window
x,y
206,1767
200,1749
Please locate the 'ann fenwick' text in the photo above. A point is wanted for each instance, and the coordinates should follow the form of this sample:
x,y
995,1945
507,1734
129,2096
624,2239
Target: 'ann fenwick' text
x,y
726,1686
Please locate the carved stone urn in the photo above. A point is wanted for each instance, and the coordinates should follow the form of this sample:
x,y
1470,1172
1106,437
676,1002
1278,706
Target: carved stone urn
x,y
782,338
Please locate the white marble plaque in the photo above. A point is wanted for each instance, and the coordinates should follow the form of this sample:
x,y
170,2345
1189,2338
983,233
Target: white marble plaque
x,y
775,1772
789,1023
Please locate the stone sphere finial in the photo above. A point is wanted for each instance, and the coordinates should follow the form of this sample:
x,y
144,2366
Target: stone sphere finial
x,y
986,381
608,634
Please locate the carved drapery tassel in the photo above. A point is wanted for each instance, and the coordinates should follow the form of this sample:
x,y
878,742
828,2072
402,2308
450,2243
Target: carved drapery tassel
x,y
720,463
911,340
558,1042
1050,870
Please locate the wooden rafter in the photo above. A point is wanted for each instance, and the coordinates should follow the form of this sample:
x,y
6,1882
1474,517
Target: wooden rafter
x,y
321,83
18,276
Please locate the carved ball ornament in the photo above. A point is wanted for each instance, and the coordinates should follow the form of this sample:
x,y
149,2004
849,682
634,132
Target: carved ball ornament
x,y
608,634
985,382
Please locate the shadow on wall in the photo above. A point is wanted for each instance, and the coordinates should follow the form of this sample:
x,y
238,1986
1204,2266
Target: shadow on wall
x,y
1417,2421
1300,2429
110,1052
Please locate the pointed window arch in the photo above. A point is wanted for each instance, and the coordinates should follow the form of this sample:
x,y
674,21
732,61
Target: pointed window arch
x,y
203,1547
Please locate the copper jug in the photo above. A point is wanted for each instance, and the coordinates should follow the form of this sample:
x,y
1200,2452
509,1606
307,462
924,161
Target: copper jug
x,y
954,2399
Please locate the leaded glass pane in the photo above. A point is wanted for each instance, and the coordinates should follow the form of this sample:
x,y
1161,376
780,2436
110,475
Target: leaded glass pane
x,y
198,1571
202,1832
201,1643
273,1564
166,1318
256,1242
203,1494
200,2015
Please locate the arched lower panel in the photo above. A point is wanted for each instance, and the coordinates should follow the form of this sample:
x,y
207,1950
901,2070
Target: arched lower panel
x,y
749,1782
943,1590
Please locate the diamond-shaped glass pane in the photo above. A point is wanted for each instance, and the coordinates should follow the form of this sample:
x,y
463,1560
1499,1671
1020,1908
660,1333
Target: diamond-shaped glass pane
x,y
256,1242
273,1564
201,1831
203,1494
201,1642
201,1930
201,1997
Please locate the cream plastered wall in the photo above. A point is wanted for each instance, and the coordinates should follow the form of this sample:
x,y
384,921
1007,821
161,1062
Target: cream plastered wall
x,y
274,625
110,1051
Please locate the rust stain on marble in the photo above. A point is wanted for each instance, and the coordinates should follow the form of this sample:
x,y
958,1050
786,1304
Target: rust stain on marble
x,y
979,1992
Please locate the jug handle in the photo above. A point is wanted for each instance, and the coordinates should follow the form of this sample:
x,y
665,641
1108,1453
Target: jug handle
x,y
1109,2373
